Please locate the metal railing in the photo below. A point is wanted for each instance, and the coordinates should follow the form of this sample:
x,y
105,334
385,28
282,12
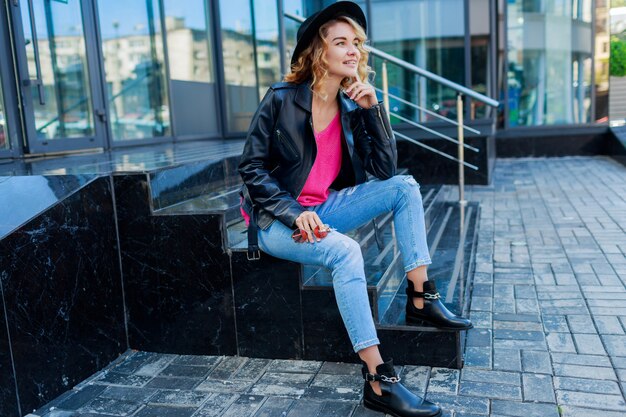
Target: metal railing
x,y
460,90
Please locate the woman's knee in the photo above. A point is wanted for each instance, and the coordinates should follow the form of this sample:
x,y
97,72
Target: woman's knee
x,y
407,186
345,253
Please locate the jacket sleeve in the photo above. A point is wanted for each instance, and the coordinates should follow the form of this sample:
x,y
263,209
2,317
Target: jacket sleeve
x,y
374,142
265,190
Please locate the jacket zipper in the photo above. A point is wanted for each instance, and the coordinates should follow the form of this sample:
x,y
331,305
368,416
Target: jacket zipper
x,y
380,117
287,142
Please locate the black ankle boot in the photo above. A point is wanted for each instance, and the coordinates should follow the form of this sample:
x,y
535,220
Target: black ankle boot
x,y
395,400
434,312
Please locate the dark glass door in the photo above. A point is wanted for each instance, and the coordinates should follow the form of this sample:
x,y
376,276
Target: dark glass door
x,y
59,76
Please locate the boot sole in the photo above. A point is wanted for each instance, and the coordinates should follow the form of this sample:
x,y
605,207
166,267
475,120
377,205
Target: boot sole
x,y
410,320
376,407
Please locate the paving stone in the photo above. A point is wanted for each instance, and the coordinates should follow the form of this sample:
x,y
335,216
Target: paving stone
x,y
490,390
580,371
252,369
479,338
581,323
197,360
339,368
123,379
520,344
274,407
227,386
179,398
283,365
608,325
574,359
481,319
479,357
278,390
136,395
415,377
216,404
306,408
460,404
496,377
615,345
136,360
443,380
154,365
507,359
244,405
110,406
518,325
569,411
337,409
538,362
517,317
517,409
227,367
588,344
332,381
560,342
481,304
586,385
160,411
334,393
538,388
591,400
79,398
555,324
170,382
518,335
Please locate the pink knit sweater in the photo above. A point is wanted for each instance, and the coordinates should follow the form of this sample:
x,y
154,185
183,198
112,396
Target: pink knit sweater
x,y
325,168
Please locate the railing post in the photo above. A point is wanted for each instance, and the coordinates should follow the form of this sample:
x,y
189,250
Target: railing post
x,y
459,115
386,89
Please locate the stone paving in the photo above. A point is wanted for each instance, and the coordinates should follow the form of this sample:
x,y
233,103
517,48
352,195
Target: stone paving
x,y
548,305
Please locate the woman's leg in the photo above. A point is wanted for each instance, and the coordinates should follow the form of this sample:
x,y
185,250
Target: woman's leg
x,y
342,256
355,206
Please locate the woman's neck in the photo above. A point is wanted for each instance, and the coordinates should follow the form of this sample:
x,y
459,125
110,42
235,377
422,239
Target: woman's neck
x,y
329,89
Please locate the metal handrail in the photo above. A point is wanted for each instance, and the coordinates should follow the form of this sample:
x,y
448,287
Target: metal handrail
x,y
437,151
434,132
425,110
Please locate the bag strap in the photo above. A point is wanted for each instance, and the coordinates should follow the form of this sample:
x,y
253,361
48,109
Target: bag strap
x,y
254,253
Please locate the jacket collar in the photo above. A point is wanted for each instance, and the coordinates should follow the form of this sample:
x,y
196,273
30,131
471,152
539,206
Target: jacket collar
x,y
304,99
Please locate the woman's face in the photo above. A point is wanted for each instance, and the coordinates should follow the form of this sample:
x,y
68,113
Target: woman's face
x,y
342,54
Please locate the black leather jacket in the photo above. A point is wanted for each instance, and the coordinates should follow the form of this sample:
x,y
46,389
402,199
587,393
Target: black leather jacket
x,y
280,151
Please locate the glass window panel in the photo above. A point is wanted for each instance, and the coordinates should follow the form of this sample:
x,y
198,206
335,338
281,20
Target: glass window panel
x,y
601,62
132,45
549,55
429,34
479,50
4,131
66,112
267,51
192,70
242,95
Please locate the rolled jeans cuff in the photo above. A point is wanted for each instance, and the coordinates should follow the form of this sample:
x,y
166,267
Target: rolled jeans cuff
x,y
366,344
418,263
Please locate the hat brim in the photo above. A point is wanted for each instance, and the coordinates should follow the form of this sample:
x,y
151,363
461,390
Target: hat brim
x,y
342,8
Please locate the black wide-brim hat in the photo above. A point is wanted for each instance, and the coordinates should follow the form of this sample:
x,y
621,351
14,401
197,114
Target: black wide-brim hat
x,y
310,27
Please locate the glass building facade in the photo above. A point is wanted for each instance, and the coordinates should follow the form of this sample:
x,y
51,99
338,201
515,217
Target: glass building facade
x,y
115,73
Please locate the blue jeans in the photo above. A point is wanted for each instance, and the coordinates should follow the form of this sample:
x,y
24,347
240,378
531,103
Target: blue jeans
x,y
346,210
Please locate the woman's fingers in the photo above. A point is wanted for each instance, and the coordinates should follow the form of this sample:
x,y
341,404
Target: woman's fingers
x,y
307,222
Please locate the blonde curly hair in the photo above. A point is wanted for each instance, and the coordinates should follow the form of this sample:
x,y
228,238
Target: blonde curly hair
x,y
312,65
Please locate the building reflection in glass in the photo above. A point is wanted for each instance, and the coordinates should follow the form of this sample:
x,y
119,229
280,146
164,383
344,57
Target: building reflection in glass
x,y
429,34
190,49
63,109
549,62
132,45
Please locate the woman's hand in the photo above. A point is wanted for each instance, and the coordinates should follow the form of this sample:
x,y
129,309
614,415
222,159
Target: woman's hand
x,y
363,94
307,221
